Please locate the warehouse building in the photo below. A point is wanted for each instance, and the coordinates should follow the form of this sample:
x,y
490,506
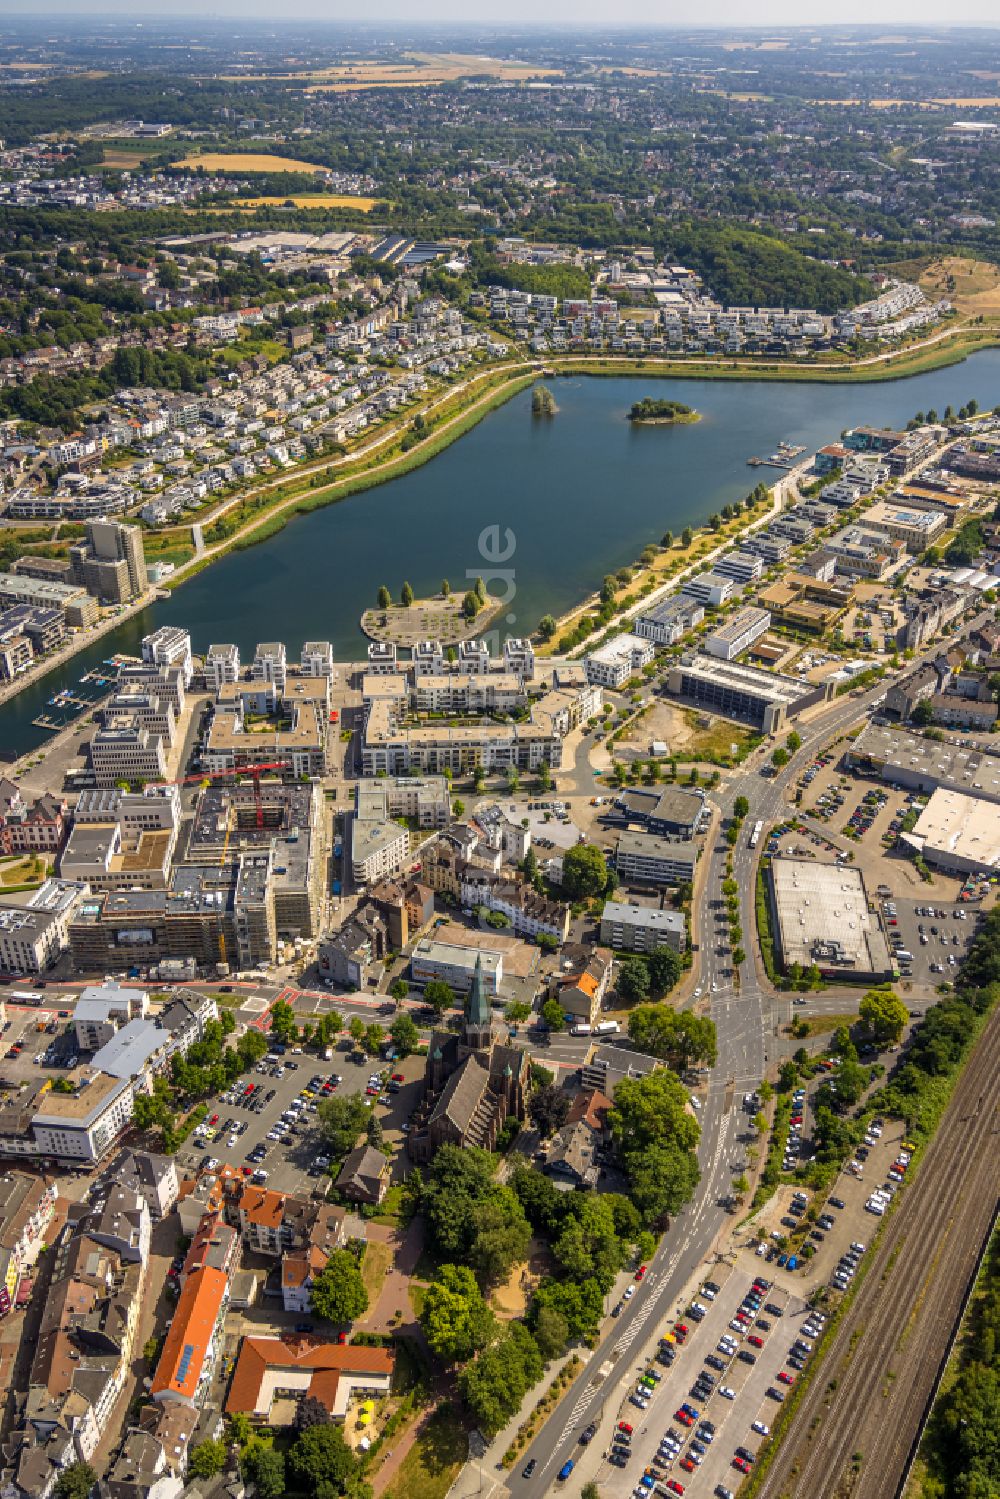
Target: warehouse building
x,y
957,833
820,916
904,759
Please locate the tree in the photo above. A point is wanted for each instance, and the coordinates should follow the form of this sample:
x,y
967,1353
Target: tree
x,y
552,1013
494,1385
633,981
470,605
551,1332
356,1030
374,1038
548,1108
884,1016
780,758
655,1137
456,1180
546,627
266,1468
404,1034
207,1459
687,536
310,1412
741,807
665,969
399,989
282,1023
455,1319
579,1303
342,1119
76,1481
851,1080
585,873
479,589
406,596
679,1037
667,539
338,1293
922,714
373,1131
384,598
793,742
439,995
321,1456
500,1235
445,587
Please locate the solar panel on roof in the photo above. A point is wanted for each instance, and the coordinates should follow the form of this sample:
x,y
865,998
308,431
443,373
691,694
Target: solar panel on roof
x,y
185,1363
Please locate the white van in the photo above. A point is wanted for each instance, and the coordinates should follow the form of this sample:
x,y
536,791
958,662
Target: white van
x,y
581,1030
607,1028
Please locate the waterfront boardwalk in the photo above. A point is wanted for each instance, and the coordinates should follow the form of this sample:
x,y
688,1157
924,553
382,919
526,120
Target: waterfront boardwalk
x,y
438,618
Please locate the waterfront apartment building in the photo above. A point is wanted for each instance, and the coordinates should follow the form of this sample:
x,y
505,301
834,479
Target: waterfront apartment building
x,y
169,646
737,634
742,567
666,622
915,528
222,667
618,659
78,607
709,589
111,562
382,658
644,859
764,699
631,928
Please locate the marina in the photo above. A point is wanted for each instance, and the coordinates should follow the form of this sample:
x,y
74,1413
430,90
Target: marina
x,y
784,456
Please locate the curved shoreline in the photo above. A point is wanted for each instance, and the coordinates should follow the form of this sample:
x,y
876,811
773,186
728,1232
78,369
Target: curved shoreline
x,y
512,379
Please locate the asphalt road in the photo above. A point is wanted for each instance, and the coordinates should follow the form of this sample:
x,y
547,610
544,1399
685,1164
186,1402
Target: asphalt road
x,y
747,1024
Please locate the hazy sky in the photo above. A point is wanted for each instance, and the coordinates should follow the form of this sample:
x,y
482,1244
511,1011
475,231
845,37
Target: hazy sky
x,y
554,12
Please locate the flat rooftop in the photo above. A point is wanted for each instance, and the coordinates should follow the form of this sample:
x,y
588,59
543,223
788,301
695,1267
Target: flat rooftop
x,y
928,761
823,917
965,827
752,679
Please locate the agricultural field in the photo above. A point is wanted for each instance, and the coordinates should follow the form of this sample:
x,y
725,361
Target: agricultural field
x,y
972,285
238,161
418,70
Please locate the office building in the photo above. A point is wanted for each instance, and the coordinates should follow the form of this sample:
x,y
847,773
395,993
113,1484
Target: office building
x,y
121,751
709,589
737,633
644,859
764,699
666,622
456,966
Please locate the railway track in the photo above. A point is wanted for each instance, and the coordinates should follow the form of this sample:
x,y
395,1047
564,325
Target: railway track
x,y
852,1435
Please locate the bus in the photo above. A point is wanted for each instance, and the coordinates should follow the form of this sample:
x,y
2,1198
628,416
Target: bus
x,y
25,997
758,828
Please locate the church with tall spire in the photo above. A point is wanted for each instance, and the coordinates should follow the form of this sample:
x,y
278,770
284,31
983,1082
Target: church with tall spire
x,y
473,1082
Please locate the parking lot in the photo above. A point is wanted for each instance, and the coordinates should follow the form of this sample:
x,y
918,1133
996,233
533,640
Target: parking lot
x,y
741,1345
928,941
294,1161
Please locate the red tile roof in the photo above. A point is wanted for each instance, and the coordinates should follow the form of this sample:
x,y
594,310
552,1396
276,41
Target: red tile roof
x,y
189,1335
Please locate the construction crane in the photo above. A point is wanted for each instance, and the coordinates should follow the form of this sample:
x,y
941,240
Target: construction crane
x,y
253,771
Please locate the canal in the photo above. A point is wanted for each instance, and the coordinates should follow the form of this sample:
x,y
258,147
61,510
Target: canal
x,y
574,497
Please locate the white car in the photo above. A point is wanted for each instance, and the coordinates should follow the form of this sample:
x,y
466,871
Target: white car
x,y
761,1429
726,1392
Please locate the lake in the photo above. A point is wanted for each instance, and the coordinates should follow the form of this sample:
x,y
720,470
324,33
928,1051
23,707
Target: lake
x,y
561,501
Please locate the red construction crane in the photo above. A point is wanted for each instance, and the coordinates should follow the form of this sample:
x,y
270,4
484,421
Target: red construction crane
x,y
254,771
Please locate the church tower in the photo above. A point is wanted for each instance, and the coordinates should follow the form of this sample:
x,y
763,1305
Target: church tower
x,y
477,1032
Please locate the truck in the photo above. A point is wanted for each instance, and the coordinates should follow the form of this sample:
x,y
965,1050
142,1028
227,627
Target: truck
x,y
336,887
607,1028
581,1030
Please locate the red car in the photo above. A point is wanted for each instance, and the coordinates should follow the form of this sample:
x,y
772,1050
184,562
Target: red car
x,y
247,1170
674,1486
681,1331
341,1337
741,1464
785,1377
688,1465
625,1426
372,1092
683,1418
640,1272
754,1341
397,1077
214,1119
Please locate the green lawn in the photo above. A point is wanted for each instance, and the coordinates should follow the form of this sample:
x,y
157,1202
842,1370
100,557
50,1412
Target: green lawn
x,y
432,1463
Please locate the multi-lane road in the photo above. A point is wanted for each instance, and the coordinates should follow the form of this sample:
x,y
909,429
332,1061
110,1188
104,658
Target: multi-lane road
x,y
747,1023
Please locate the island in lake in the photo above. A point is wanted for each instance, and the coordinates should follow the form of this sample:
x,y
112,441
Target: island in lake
x,y
543,402
662,413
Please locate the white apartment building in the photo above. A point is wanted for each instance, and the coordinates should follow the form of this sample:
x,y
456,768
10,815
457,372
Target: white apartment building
x,y
33,935
737,634
617,659
222,666
169,646
709,589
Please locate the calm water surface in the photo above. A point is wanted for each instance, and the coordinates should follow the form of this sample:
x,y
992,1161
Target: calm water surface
x,y
581,495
